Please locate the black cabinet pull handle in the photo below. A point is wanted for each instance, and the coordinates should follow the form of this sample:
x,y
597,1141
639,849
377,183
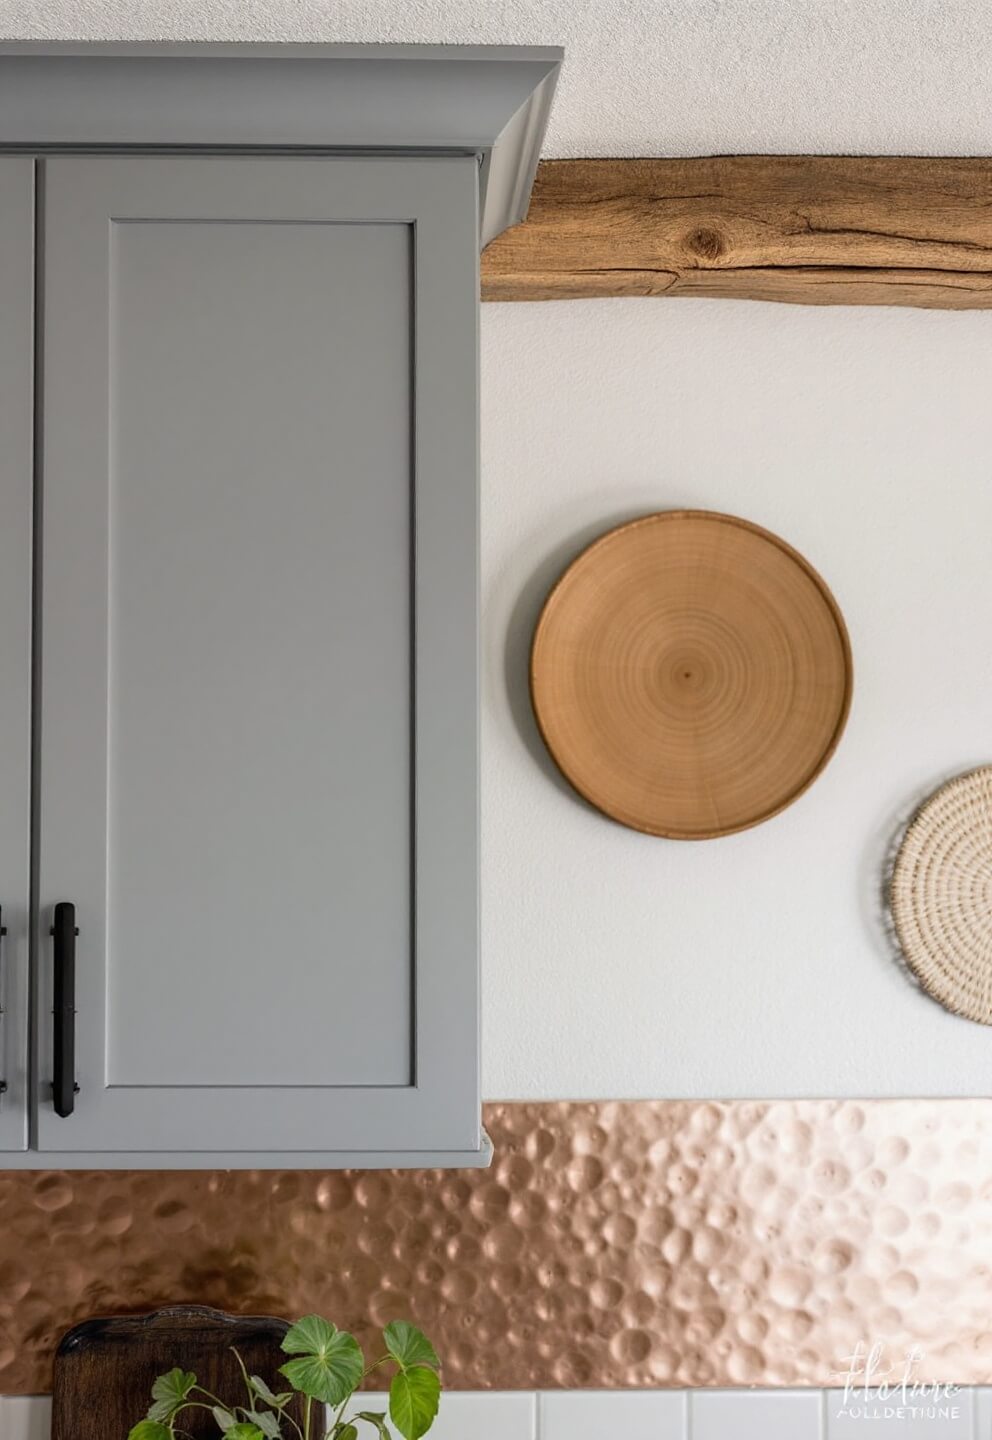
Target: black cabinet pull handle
x,y
64,1073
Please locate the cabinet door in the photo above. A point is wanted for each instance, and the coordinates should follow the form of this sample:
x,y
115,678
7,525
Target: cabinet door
x,y
259,719
16,370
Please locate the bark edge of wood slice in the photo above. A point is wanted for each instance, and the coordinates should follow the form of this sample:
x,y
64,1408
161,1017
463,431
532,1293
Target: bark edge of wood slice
x,y
691,674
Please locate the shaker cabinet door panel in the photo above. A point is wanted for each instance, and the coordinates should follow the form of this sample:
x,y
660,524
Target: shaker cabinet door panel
x,y
258,736
16,423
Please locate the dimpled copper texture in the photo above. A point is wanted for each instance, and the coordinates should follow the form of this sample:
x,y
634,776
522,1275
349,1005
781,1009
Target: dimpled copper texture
x,y
633,1244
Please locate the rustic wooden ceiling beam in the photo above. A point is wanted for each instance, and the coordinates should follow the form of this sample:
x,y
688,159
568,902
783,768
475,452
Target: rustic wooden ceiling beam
x,y
809,229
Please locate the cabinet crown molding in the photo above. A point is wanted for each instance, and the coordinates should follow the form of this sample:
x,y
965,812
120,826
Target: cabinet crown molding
x,y
491,101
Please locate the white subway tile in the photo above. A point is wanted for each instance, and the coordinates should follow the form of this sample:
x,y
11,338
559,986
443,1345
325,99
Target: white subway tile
x,y
756,1415
640,1415
485,1415
950,1419
982,1402
463,1415
630,1414
25,1417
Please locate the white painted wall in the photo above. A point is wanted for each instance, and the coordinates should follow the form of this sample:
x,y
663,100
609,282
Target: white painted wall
x,y
617,965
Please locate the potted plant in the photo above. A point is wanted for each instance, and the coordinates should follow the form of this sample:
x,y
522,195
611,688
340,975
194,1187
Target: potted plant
x,y
327,1367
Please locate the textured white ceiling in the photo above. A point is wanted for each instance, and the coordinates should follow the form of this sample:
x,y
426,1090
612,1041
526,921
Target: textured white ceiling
x,y
651,77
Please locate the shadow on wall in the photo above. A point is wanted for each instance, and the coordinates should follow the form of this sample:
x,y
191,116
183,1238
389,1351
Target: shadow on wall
x,y
524,616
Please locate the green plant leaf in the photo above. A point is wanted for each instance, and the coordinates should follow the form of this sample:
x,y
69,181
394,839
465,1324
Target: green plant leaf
x,y
309,1336
376,1418
267,1423
329,1378
244,1431
223,1417
330,1363
170,1392
262,1390
346,1431
409,1346
413,1397
149,1430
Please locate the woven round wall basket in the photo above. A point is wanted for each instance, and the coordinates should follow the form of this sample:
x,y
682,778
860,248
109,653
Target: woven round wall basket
x,y
940,895
690,674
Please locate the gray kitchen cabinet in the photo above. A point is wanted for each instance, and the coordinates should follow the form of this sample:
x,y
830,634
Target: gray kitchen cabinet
x,y
16,461
255,725
259,456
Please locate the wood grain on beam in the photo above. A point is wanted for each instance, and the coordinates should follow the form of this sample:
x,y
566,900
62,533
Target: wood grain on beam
x,y
813,230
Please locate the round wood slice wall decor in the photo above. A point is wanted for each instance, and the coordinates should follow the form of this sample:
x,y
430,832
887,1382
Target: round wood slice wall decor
x,y
941,895
691,674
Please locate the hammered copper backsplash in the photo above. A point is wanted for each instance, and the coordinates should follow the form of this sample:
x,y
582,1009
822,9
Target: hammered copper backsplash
x,y
615,1244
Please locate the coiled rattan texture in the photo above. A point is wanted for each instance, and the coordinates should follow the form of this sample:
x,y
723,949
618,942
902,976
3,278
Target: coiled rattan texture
x,y
941,895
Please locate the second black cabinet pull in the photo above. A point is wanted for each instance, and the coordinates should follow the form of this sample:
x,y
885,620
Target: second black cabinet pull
x,y
64,1071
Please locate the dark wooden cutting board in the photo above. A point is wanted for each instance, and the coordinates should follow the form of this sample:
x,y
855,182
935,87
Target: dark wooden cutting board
x,y
104,1368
